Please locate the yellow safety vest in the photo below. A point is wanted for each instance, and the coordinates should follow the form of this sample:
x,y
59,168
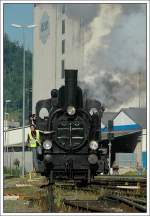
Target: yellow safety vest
x,y
33,141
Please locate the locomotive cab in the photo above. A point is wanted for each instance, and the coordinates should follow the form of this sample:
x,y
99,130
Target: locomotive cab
x,y
70,133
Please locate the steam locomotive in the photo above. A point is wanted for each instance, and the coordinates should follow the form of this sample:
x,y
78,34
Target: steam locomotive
x,y
69,124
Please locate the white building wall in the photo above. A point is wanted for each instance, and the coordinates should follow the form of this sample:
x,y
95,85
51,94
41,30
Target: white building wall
x,y
43,56
123,119
73,45
126,160
10,157
14,136
102,125
144,141
47,57
138,153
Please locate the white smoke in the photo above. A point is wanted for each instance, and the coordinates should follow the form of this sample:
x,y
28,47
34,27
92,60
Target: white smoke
x,y
100,27
115,54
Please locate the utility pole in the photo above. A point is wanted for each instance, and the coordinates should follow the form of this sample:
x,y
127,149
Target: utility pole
x,y
110,138
23,27
6,125
139,89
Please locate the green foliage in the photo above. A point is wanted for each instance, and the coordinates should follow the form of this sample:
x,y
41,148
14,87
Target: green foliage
x,y
13,78
16,162
135,173
13,172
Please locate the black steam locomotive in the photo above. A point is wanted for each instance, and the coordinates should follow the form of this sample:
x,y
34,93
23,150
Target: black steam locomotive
x,y
70,123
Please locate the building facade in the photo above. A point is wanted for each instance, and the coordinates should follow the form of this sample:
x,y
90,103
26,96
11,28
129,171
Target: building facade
x,y
129,121
133,119
57,45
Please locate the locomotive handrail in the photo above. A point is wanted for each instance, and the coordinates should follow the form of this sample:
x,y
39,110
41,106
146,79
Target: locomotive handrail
x,y
47,132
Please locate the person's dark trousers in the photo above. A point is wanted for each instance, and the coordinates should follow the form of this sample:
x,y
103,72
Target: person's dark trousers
x,y
35,161
38,165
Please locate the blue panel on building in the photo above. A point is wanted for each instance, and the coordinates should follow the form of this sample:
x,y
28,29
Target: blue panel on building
x,y
123,127
144,159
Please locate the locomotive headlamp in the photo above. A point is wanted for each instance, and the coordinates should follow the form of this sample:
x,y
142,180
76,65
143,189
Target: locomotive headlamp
x,y
93,111
71,110
92,159
47,144
93,145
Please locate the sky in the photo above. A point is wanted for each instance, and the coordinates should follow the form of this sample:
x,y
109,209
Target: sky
x,y
19,14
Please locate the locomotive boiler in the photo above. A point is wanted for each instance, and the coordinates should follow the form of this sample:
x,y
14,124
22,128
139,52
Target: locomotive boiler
x,y
70,126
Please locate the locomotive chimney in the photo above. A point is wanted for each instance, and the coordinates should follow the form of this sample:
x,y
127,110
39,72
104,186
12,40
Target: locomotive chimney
x,y
70,87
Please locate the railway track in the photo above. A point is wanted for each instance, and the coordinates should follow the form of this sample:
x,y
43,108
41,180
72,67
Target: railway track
x,y
110,181
123,195
91,206
127,191
109,204
120,180
126,186
131,192
130,202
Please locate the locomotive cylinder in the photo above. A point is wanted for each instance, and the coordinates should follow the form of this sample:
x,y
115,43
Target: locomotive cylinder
x,y
71,87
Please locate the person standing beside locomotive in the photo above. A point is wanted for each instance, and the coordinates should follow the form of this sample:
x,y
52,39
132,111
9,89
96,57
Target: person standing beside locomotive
x,y
32,120
33,142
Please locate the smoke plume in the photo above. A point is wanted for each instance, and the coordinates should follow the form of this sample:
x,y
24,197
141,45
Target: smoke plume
x,y
115,53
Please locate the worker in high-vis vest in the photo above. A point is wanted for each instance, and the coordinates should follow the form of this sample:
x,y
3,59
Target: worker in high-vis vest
x,y
33,143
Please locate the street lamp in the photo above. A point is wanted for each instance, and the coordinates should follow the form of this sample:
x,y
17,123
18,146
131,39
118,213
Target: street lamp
x,y
23,27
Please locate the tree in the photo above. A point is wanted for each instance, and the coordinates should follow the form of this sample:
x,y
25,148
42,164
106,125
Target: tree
x,y
13,75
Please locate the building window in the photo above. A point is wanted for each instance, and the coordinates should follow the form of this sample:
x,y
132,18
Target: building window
x,y
63,46
62,69
63,26
63,8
